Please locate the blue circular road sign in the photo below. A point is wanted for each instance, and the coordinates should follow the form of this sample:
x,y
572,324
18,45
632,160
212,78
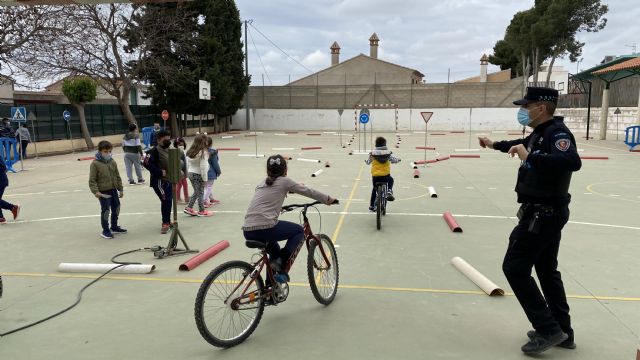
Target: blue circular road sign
x,y
66,115
364,118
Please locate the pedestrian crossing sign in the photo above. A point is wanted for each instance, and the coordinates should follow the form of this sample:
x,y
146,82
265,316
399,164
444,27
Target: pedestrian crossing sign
x,y
19,114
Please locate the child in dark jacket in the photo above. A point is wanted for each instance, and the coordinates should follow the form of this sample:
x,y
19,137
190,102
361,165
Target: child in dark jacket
x,y
106,185
158,166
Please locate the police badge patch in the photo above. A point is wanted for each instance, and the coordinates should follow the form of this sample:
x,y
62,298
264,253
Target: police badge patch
x,y
563,144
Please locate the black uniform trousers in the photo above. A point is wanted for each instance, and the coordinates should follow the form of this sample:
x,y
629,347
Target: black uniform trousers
x,y
527,249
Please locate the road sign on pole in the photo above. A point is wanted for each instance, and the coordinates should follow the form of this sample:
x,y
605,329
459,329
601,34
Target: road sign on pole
x,y
364,118
19,114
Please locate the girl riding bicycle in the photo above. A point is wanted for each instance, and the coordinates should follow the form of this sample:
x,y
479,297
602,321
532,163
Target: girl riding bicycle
x,y
261,220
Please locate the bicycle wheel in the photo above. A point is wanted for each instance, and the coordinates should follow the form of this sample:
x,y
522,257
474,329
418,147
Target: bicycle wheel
x,y
323,277
378,208
226,325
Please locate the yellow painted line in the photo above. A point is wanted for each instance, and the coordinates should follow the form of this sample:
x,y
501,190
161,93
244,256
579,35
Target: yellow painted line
x,y
334,237
590,189
342,286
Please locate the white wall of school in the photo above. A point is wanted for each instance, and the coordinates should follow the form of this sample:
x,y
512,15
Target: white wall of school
x,y
381,119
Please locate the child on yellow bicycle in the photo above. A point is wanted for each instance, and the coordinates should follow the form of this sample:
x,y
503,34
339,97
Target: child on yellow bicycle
x,y
381,159
261,221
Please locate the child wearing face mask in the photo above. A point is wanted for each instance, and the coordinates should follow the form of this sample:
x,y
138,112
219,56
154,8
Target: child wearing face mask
x,y
180,143
106,185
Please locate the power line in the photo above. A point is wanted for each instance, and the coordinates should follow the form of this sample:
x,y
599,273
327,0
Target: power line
x,y
260,58
284,52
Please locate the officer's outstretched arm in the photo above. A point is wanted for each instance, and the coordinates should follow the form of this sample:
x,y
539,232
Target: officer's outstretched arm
x,y
505,145
562,154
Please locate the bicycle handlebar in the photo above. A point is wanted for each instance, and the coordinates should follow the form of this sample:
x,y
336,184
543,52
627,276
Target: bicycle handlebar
x,y
291,207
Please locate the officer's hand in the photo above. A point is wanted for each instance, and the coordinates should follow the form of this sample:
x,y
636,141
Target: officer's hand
x,y
121,194
520,150
485,142
98,195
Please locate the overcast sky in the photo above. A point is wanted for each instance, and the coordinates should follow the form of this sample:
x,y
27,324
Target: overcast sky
x,y
429,36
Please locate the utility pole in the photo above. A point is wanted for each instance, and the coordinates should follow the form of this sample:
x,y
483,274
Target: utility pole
x,y
246,68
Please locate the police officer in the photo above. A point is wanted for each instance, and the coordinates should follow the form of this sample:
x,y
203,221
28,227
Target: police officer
x,y
549,156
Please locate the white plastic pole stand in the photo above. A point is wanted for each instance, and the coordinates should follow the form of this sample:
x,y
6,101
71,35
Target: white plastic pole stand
x,y
474,275
317,173
432,192
102,268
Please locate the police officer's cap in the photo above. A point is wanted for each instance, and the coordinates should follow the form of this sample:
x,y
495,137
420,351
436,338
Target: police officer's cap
x,y
535,94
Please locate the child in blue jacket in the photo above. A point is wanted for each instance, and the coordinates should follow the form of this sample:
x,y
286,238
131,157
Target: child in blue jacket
x,y
212,175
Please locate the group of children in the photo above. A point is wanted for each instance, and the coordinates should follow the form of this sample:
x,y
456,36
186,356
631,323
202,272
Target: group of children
x,y
200,164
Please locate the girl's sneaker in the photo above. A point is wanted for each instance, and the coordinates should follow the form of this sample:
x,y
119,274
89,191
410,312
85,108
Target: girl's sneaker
x,y
3,221
214,201
205,213
190,211
207,204
15,211
165,228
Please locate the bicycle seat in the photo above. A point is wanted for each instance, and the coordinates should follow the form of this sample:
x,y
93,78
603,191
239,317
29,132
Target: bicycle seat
x,y
252,244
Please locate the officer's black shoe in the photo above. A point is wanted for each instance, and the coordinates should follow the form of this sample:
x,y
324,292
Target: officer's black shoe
x,y
567,344
540,343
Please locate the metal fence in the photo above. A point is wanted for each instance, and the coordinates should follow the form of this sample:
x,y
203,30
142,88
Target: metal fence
x,y
102,120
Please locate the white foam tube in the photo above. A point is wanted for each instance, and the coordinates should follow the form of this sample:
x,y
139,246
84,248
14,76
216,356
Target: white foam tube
x,y
317,173
328,132
474,275
251,155
278,134
467,150
102,268
418,132
227,137
279,149
413,165
432,192
308,160
403,134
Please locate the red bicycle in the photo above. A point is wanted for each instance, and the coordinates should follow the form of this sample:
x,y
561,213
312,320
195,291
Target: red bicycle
x,y
231,299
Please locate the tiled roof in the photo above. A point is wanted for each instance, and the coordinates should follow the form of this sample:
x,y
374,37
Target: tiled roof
x,y
626,65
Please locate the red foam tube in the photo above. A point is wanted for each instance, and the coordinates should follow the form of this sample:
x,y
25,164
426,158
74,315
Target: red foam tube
x,y
594,157
465,156
416,174
451,221
203,256
314,134
637,150
290,132
311,148
287,157
425,148
422,162
86,158
228,149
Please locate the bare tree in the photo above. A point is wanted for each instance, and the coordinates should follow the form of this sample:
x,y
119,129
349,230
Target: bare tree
x,y
93,44
24,27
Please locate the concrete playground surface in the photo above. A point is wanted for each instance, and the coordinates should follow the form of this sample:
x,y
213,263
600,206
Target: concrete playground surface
x,y
399,297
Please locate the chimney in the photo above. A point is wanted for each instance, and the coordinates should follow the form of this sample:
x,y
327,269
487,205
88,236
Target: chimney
x,y
484,63
335,54
373,44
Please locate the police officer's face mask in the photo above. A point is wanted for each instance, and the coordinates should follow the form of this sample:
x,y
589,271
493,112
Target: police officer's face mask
x,y
523,117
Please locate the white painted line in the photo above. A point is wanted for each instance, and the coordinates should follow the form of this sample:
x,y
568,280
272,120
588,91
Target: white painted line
x,y
59,192
614,195
78,190
226,137
470,188
328,132
492,188
418,132
448,187
580,150
25,194
467,150
277,134
588,193
406,134
282,148
498,132
251,155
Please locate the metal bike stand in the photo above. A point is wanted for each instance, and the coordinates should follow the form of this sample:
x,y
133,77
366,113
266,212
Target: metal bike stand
x,y
172,248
